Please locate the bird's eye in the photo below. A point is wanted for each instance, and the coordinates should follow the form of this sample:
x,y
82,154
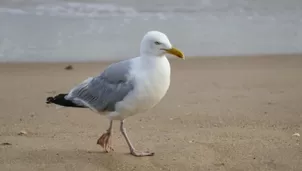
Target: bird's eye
x,y
157,43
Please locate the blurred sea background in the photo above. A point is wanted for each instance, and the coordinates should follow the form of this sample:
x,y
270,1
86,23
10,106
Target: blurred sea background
x,y
86,30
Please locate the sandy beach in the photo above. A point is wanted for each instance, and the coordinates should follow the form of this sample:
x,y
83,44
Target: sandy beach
x,y
220,114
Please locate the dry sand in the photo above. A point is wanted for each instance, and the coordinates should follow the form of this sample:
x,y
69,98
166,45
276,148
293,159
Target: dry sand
x,y
235,114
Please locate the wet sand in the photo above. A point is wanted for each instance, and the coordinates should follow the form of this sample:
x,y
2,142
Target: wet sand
x,y
223,113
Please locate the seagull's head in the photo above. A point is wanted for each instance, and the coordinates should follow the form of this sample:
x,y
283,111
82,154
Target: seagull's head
x,y
156,43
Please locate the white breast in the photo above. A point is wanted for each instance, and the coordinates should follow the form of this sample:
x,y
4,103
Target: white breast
x,y
152,80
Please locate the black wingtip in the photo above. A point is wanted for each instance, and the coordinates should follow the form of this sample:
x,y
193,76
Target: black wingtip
x,y
60,100
49,100
55,99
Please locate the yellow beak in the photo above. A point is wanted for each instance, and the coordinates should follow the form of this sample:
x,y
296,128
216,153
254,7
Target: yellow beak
x,y
176,52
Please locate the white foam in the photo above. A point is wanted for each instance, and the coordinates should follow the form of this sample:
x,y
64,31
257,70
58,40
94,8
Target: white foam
x,y
78,9
84,10
12,11
74,9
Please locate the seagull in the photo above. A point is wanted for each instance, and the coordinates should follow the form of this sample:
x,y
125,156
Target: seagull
x,y
126,88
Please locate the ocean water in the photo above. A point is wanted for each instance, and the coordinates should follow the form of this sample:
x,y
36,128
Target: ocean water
x,y
84,30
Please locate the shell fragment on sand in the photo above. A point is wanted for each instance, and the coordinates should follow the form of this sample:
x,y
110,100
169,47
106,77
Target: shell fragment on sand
x,y
296,134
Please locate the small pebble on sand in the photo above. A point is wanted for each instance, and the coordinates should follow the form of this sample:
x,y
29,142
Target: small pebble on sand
x,y
69,67
6,143
22,133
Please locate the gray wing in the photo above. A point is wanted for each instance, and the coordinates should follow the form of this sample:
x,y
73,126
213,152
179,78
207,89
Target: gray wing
x,y
104,91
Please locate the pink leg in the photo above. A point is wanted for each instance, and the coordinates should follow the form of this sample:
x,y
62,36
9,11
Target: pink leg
x,y
105,139
132,150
